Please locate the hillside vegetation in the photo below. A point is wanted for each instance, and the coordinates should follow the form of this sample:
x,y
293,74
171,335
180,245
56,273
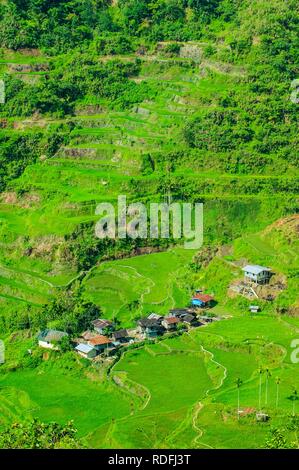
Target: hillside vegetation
x,y
181,100
99,105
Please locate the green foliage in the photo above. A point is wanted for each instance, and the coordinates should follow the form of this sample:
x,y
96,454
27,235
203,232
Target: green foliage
x,y
223,131
61,26
56,26
277,440
19,151
65,344
69,312
147,165
58,92
172,49
37,435
15,154
220,130
114,44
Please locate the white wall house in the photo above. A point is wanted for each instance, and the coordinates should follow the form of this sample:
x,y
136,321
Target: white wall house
x,y
256,273
49,339
86,351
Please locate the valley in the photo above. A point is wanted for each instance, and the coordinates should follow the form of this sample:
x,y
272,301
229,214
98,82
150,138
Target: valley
x,y
164,102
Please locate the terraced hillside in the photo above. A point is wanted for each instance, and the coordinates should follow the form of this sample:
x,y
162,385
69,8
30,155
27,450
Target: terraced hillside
x,y
161,102
133,287
140,152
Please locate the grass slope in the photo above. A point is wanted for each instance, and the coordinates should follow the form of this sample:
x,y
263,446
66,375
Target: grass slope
x,y
154,281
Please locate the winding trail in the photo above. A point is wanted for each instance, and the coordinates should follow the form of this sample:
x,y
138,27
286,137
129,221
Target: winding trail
x,y
199,405
140,385
151,284
44,281
196,408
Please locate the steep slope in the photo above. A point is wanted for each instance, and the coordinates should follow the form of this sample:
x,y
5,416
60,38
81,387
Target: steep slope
x,y
206,119
275,246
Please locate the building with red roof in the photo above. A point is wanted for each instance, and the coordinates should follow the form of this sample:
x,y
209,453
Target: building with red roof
x,y
170,323
202,300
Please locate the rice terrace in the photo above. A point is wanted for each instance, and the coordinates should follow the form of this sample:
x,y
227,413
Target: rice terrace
x,y
141,342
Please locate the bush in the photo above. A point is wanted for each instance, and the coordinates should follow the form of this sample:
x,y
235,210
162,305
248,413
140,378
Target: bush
x,y
172,49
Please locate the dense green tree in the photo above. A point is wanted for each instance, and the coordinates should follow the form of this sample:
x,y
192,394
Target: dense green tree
x,y
37,435
222,129
70,312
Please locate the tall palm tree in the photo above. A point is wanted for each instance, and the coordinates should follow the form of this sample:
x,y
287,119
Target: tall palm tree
x,y
238,384
277,381
261,371
268,374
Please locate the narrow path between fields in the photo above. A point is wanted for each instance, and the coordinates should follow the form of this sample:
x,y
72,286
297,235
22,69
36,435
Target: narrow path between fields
x,y
199,406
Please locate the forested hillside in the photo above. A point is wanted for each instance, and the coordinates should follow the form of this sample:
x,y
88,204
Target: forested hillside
x,y
188,98
181,100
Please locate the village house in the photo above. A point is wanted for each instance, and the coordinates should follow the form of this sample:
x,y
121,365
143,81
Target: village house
x,y
50,339
122,336
150,327
189,319
254,308
257,274
86,351
206,319
100,343
202,300
180,312
170,323
199,322
87,335
101,325
156,317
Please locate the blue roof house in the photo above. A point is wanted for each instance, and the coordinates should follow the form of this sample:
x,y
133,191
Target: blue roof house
x,y
202,300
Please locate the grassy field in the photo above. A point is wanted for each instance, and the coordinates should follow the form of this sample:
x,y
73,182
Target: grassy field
x,y
104,156
57,396
155,281
181,391
59,388
177,392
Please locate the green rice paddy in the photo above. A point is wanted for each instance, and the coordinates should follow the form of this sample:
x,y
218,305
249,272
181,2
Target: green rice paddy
x,y
181,391
169,389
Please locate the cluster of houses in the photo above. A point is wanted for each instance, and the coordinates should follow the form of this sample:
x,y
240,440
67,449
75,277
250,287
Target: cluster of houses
x,y
104,339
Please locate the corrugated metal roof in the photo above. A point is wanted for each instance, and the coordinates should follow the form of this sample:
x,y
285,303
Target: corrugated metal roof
x,y
120,334
98,340
51,335
101,323
188,318
255,268
203,297
148,323
84,348
172,320
154,316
